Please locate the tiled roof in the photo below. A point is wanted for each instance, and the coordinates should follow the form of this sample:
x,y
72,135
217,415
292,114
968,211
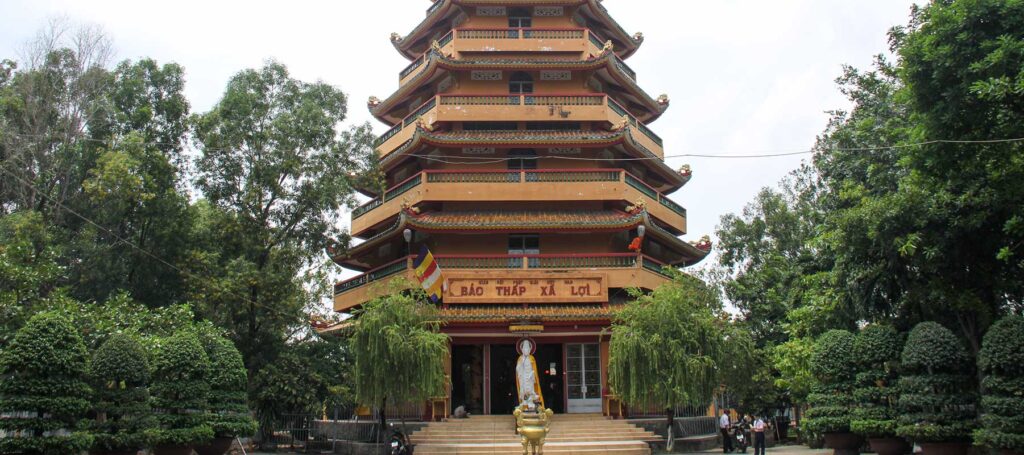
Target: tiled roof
x,y
607,60
531,220
535,313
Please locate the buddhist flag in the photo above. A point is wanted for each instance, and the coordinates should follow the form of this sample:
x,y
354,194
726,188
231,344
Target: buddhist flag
x,y
429,274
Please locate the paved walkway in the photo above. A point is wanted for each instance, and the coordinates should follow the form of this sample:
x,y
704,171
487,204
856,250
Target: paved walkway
x,y
777,450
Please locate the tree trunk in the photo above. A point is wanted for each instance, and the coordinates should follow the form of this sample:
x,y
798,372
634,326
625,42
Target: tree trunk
x,y
670,424
383,419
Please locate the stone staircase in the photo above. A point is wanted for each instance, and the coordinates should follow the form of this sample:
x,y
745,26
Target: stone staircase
x,y
589,434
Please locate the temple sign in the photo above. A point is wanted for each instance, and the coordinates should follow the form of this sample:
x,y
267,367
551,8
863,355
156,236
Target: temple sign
x,y
527,382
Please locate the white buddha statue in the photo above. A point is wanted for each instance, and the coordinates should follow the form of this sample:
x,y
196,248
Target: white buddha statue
x,y
526,377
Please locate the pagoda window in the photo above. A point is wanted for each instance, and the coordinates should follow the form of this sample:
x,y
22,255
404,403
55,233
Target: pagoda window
x,y
520,18
522,159
520,83
523,245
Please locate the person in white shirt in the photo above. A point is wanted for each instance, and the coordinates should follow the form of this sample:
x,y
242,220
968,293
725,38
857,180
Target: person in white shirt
x,y
759,429
724,423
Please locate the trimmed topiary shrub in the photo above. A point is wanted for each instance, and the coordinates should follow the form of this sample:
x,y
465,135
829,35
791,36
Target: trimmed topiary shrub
x,y
937,399
831,401
180,391
1002,360
43,389
877,351
229,411
120,373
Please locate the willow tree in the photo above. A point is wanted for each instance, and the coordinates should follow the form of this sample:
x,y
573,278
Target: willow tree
x,y
666,347
399,351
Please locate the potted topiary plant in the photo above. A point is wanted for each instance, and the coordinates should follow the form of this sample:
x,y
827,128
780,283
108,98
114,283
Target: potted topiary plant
x,y
877,350
124,421
832,399
229,412
1002,360
937,398
43,389
180,392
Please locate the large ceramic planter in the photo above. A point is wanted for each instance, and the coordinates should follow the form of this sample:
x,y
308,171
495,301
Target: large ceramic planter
x,y
172,450
843,443
945,448
890,446
219,446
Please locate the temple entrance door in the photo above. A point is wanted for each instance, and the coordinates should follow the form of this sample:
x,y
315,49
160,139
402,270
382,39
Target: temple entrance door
x,y
468,378
583,372
503,379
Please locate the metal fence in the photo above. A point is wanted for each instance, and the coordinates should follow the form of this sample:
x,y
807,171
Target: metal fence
x,y
649,411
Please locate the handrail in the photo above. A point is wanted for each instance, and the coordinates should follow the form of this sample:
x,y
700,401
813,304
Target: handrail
x,y
367,277
627,178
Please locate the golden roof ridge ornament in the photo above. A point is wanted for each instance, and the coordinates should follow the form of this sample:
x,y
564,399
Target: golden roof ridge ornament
x,y
638,37
396,38
664,100
609,46
704,244
373,101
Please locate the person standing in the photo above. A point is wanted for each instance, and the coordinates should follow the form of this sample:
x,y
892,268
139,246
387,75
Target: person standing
x,y
724,424
759,442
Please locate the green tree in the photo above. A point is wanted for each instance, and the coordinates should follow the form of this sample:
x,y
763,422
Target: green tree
x,y
277,170
28,269
124,419
1002,361
832,363
399,351
667,347
43,389
181,390
230,416
937,403
877,351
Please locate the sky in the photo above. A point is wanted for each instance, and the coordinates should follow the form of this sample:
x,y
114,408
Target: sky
x,y
744,76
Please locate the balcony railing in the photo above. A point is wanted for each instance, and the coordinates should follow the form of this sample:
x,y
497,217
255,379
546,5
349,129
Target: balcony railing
x,y
520,177
506,100
510,262
520,33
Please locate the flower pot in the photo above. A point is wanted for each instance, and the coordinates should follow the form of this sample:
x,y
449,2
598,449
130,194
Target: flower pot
x,y
843,443
172,450
890,446
113,452
945,448
218,446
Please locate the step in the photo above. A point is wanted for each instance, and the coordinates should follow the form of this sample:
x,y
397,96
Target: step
x,y
617,448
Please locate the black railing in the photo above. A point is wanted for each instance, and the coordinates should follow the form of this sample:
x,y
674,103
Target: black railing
x,y
412,67
412,118
656,267
668,203
641,186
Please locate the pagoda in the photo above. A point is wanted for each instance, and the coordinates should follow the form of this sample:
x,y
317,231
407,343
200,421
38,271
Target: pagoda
x,y
519,154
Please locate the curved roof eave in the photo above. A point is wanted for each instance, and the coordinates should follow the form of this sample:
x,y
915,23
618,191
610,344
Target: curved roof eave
x,y
601,139
404,44
690,253
436,60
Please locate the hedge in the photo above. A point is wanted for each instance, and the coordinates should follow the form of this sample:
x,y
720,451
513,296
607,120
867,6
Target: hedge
x,y
120,374
937,401
832,363
43,389
1002,361
180,391
229,412
876,351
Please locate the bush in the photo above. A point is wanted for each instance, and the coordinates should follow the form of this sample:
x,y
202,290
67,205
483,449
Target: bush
x,y
1002,360
937,402
43,391
832,363
876,350
120,374
229,413
180,391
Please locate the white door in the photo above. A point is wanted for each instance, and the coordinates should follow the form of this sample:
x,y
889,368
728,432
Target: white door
x,y
583,371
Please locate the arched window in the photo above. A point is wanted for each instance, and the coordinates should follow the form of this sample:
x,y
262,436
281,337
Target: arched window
x,y
520,18
520,83
522,159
